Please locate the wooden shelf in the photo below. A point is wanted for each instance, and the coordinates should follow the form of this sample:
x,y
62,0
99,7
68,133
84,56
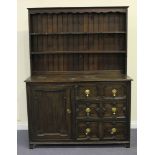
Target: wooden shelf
x,y
72,33
81,52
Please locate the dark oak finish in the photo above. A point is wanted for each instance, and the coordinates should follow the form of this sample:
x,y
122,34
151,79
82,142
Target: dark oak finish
x,y
78,92
49,101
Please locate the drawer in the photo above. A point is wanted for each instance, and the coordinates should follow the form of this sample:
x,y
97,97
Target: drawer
x,y
87,130
114,90
114,109
87,90
117,131
88,109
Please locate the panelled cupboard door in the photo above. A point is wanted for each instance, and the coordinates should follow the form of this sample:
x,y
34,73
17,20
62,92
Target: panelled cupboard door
x,y
50,112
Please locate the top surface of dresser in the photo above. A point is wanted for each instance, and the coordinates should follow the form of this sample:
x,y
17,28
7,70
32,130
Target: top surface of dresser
x,y
79,77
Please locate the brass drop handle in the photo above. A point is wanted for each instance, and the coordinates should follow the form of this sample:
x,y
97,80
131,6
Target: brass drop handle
x,y
68,111
88,130
114,109
113,131
114,91
87,92
87,110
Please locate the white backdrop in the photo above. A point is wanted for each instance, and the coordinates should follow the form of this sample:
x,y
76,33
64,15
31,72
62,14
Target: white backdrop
x,y
23,46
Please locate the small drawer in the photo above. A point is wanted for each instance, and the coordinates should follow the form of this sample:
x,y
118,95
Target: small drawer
x,y
87,91
117,131
87,130
114,109
114,90
87,109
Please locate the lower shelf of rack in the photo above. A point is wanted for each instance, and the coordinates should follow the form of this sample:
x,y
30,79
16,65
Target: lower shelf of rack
x,y
126,144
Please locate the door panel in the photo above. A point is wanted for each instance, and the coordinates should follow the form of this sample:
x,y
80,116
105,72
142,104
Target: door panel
x,y
49,109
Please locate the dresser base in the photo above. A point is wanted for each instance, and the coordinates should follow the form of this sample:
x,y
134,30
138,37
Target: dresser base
x,y
62,113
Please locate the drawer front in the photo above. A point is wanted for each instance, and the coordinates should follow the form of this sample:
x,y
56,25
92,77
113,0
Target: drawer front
x,y
87,90
114,90
101,109
87,109
114,109
87,130
117,131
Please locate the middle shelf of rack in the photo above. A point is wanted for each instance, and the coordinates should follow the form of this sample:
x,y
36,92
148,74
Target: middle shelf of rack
x,y
72,33
72,52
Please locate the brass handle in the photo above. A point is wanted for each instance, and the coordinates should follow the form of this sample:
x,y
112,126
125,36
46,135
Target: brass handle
x,y
114,109
68,111
88,130
113,130
114,91
87,110
87,92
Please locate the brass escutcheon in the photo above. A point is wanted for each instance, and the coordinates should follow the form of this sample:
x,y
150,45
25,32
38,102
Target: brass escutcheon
x,y
113,130
88,130
114,91
68,111
87,92
113,109
87,110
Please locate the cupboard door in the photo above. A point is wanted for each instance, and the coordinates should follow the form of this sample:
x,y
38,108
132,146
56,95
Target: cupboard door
x,y
50,112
